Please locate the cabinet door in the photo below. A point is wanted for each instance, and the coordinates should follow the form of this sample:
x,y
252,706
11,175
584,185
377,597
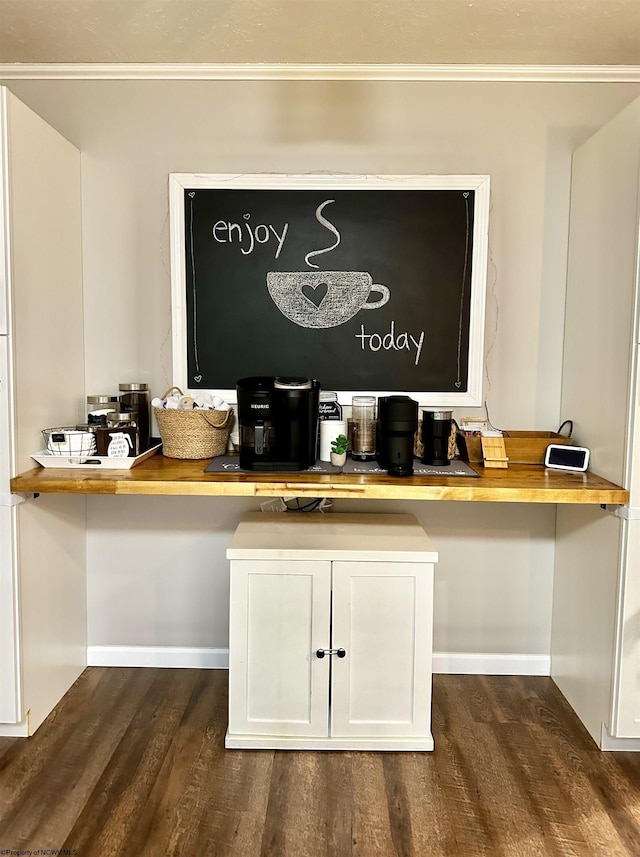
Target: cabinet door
x,y
625,721
4,216
279,617
6,410
382,617
10,692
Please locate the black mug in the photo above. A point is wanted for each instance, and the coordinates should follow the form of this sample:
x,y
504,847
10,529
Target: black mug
x,y
436,431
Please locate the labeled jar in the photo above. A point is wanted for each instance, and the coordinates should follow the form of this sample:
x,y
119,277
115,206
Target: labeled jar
x,y
362,428
125,422
135,397
328,409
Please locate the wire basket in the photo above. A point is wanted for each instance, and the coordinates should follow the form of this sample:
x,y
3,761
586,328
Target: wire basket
x,y
193,433
70,442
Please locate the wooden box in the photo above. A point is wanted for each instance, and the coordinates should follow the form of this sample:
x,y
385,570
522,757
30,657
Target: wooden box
x,y
522,447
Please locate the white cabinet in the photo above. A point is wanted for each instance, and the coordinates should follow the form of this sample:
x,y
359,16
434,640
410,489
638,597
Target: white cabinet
x,y
330,640
42,542
596,604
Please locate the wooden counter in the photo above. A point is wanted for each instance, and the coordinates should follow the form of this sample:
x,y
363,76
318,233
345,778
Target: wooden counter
x,y
167,476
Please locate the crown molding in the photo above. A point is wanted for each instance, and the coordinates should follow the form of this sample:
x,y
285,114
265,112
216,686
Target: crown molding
x,y
321,71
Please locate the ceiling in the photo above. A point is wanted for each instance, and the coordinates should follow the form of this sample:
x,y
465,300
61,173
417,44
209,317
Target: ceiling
x,y
522,32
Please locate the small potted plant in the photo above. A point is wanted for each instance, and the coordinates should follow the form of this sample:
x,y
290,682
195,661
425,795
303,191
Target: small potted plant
x,y
339,450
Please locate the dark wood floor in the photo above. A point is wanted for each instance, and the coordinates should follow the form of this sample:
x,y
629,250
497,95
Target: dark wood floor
x,y
132,762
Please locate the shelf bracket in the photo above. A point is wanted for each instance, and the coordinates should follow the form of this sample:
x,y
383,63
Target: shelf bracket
x,y
16,499
626,513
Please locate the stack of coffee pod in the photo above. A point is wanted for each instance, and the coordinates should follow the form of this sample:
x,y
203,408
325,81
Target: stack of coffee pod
x,y
203,401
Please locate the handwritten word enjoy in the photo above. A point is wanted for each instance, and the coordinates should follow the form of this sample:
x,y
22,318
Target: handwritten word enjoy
x,y
225,232
391,341
247,235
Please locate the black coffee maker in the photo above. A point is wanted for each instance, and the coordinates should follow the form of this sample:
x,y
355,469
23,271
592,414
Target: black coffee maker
x,y
278,423
396,426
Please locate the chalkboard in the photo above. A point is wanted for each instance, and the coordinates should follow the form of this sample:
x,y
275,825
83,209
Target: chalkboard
x,y
371,284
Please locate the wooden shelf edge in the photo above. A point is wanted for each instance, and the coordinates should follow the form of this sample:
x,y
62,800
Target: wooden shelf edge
x,y
166,477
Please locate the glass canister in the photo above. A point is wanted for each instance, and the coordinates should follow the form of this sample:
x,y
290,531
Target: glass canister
x,y
363,428
102,404
136,398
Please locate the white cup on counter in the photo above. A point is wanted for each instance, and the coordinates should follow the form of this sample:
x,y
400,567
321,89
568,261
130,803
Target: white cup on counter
x,y
329,431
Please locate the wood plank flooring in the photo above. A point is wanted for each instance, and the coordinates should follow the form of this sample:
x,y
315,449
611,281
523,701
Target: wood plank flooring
x,y
132,762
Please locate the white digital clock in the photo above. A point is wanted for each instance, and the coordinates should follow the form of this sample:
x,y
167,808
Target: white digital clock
x,y
559,457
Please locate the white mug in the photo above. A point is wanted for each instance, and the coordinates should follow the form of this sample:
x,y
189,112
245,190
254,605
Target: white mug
x,y
329,431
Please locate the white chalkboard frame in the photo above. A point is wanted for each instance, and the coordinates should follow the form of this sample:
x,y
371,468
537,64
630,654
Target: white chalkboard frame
x,y
178,182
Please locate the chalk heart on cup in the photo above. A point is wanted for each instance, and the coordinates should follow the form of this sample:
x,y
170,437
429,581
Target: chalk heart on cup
x,y
319,299
315,293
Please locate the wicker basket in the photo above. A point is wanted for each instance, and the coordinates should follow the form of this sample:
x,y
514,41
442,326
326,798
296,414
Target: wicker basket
x,y
194,433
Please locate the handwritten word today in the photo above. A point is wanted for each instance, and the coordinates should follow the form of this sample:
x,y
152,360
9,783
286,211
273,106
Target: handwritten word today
x,y
391,341
226,232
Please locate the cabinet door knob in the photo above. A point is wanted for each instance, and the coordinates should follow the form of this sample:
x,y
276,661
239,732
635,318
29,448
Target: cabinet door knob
x,y
341,653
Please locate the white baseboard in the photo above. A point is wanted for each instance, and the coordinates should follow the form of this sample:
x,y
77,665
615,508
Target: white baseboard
x,y
624,745
158,656
452,663
14,730
488,663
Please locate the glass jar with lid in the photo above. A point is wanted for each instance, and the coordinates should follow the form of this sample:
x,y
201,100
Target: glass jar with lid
x,y
363,428
135,397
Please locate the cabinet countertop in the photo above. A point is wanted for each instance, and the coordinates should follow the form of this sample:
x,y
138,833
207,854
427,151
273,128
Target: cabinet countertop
x,y
168,476
338,536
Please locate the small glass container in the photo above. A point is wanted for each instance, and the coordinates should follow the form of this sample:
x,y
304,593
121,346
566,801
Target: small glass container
x,y
363,428
102,404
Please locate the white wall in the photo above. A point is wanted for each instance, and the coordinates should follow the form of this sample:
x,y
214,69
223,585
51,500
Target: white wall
x,y
157,573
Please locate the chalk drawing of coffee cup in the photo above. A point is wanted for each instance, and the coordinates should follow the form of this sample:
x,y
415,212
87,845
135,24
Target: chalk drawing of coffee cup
x,y
323,298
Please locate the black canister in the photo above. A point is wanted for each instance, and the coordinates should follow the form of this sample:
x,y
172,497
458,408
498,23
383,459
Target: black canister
x,y
135,397
436,431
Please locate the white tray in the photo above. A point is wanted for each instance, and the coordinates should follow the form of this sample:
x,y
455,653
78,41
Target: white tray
x,y
94,462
